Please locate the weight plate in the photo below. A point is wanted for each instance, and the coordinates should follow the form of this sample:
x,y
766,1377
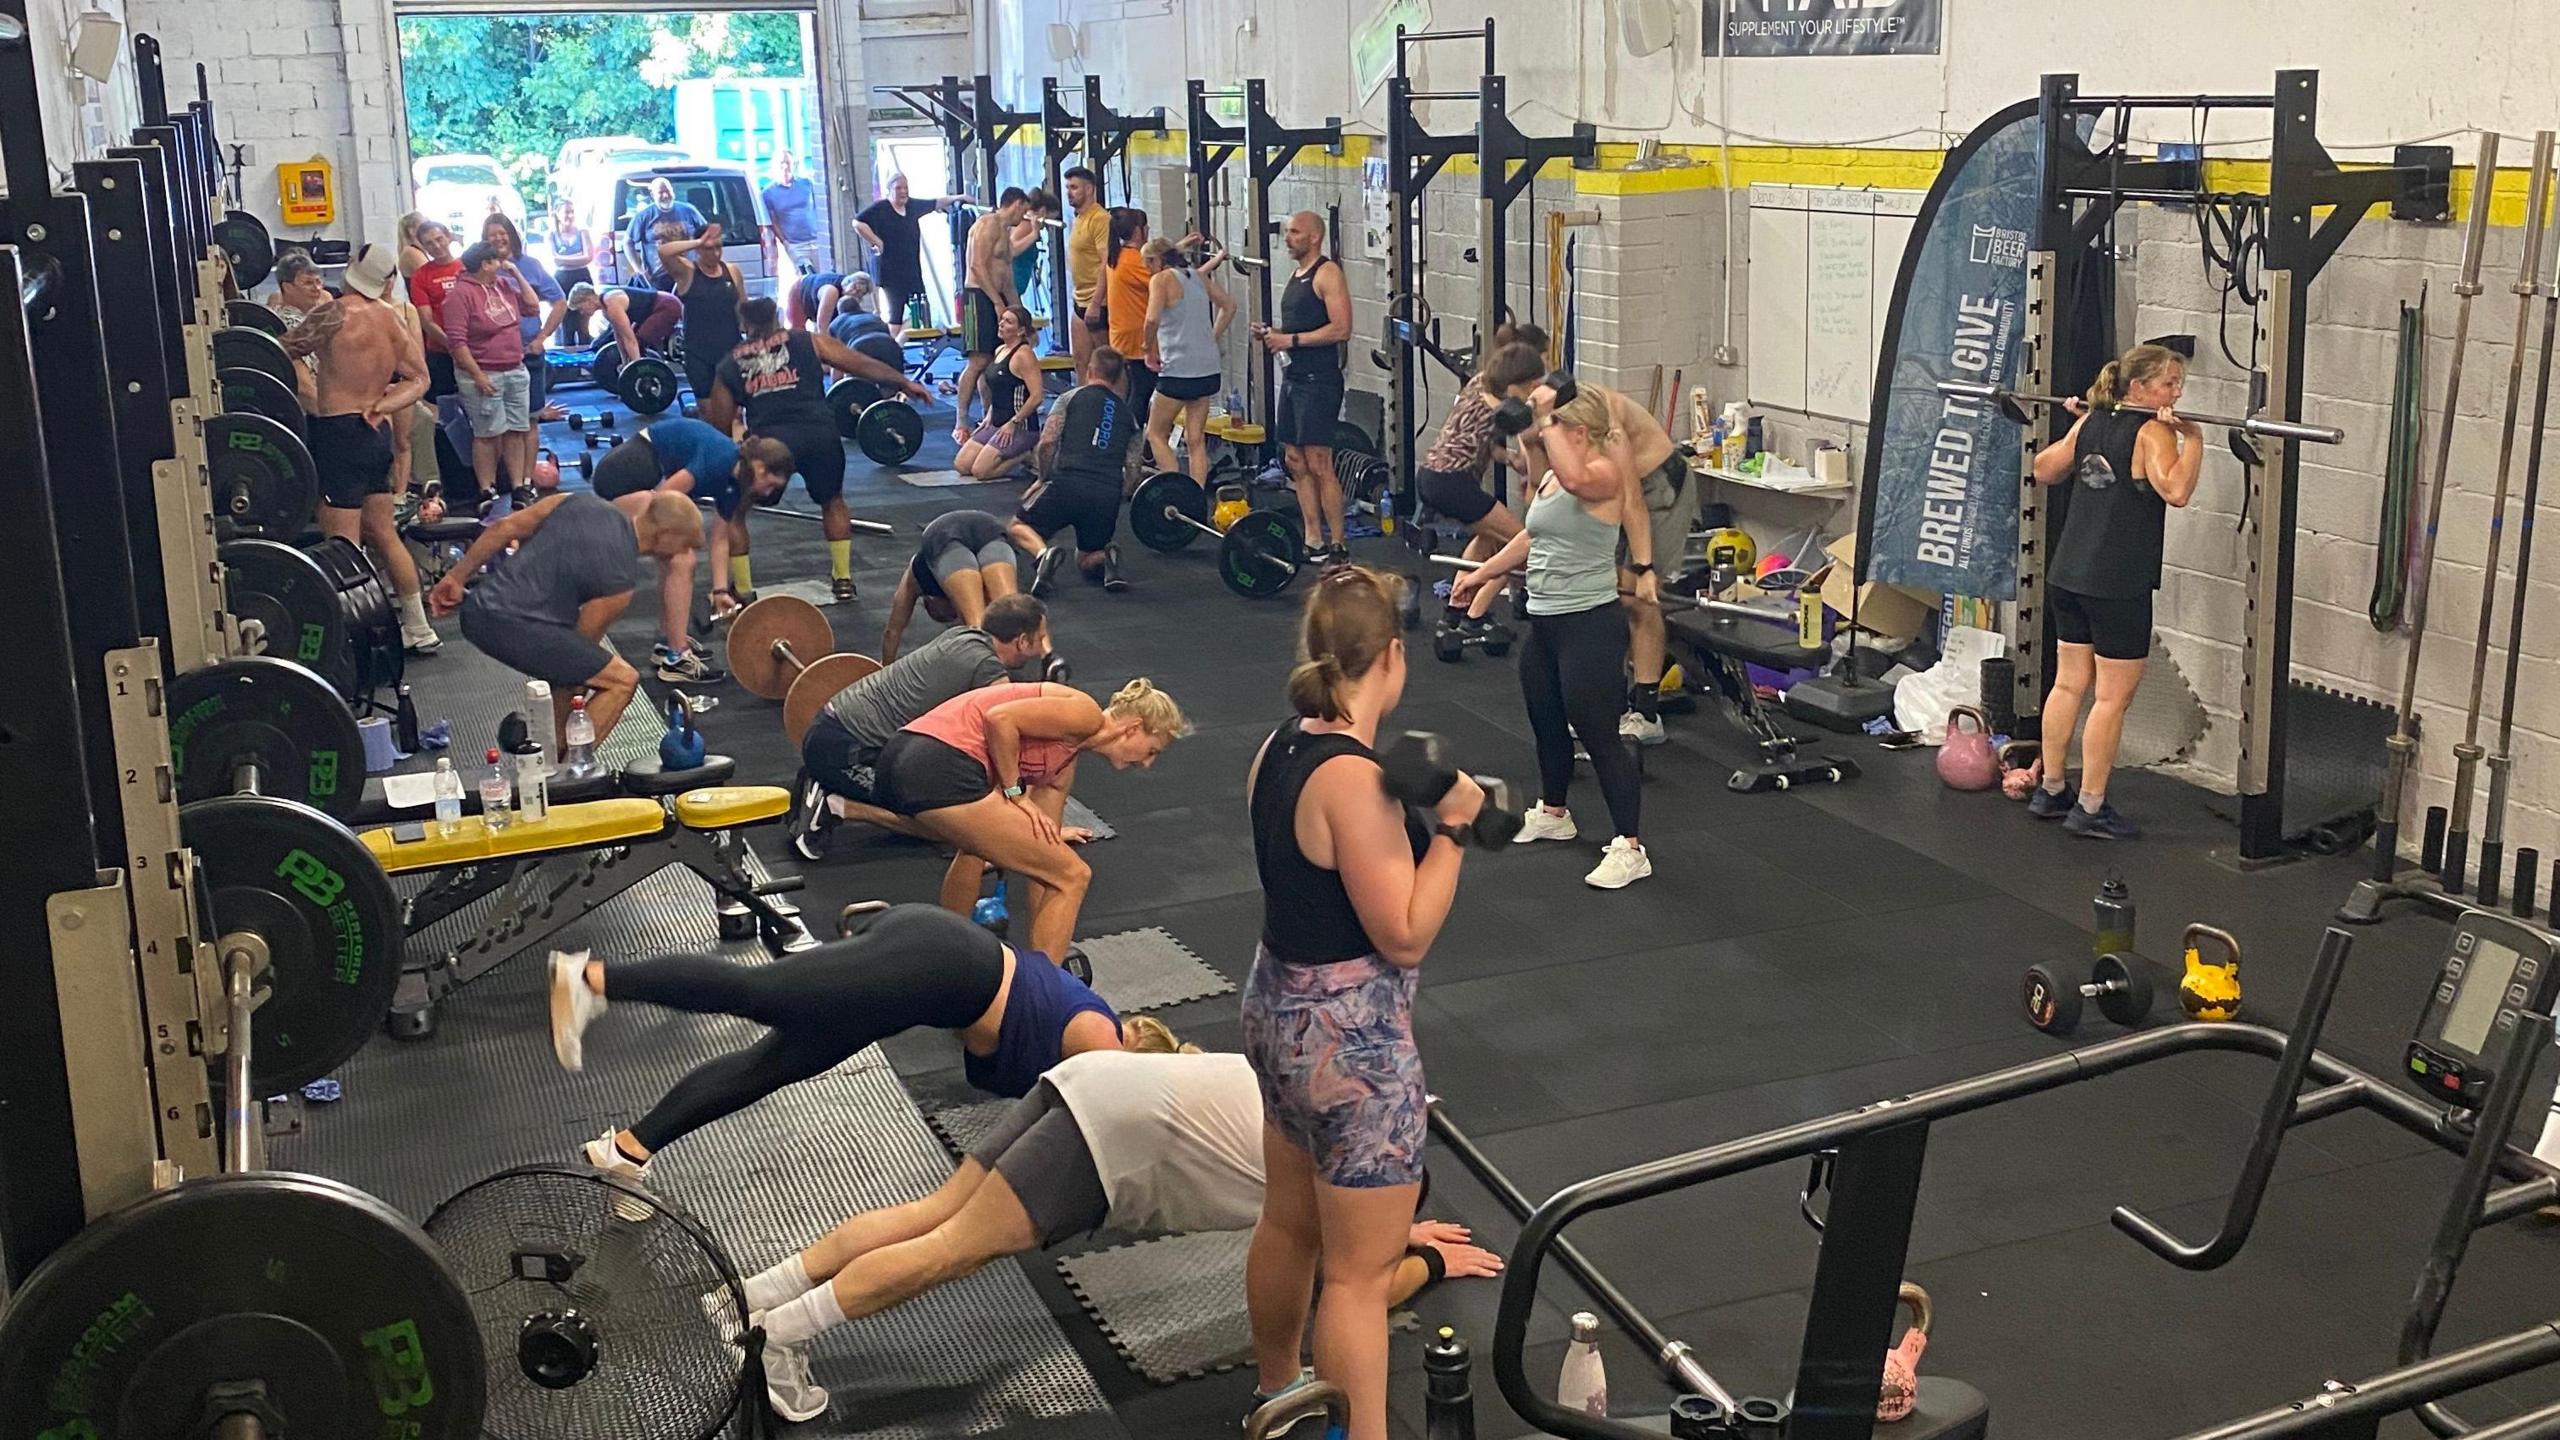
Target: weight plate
x,y
647,385
606,365
849,398
237,347
761,631
1162,491
817,685
890,433
2052,1003
280,716
309,888
255,392
2129,1001
263,478
1347,436
250,315
1363,475
1261,554
370,656
244,238
340,1306
294,602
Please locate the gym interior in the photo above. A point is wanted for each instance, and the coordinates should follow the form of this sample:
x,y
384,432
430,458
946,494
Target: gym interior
x,y
1920,1082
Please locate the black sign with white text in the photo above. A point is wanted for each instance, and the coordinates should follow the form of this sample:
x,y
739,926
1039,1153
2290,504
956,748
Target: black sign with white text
x,y
1763,28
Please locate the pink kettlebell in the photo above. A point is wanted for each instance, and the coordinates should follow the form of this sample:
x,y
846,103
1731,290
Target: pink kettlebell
x,y
1902,1363
1965,761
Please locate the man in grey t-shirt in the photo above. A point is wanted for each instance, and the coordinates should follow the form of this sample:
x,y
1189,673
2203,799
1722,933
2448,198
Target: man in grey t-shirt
x,y
838,751
544,609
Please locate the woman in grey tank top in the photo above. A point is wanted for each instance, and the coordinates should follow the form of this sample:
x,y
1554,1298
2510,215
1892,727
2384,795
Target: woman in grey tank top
x,y
1187,315
1573,661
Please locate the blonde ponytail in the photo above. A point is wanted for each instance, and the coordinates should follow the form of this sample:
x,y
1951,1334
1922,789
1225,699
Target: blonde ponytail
x,y
2133,367
1152,708
1315,689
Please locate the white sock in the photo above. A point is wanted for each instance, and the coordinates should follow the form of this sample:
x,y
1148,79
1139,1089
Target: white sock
x,y
784,1282
413,613
797,1320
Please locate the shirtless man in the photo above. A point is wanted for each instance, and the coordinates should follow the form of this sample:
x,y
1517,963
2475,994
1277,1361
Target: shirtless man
x,y
989,290
371,371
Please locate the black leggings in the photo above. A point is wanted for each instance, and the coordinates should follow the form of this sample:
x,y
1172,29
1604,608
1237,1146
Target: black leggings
x,y
1573,671
916,965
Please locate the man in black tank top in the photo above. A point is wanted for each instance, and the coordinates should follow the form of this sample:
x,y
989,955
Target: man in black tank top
x,y
1307,337
1079,459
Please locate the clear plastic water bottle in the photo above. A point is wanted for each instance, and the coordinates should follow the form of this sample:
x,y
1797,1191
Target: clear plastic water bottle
x,y
581,738
448,797
495,795
1583,1386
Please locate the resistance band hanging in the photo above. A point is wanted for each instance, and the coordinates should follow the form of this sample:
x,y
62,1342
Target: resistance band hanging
x,y
2394,534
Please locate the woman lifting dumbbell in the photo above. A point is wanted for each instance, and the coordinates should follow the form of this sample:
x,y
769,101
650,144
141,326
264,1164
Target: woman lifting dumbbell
x,y
912,966
777,376
2130,456
1355,889
1013,384
989,771
963,563
1573,663
1455,476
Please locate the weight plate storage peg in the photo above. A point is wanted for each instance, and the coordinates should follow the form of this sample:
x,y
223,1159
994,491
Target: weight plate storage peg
x,y
240,348
255,392
305,886
263,478
263,718
1261,554
292,1304
292,600
250,315
889,433
1158,493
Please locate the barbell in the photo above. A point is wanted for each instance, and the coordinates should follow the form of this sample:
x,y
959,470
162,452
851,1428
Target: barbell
x,y
1722,609
768,641
1259,552
647,385
2013,404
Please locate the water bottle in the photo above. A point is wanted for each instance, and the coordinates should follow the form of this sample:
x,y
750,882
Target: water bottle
x,y
494,794
2114,908
1583,1386
533,784
1448,1400
448,797
537,699
581,759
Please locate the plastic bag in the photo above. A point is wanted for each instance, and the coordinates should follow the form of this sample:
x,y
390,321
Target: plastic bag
x,y
1921,702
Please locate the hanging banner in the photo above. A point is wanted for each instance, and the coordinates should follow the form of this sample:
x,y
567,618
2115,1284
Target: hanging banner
x,y
1942,470
1373,42
1764,28
1377,209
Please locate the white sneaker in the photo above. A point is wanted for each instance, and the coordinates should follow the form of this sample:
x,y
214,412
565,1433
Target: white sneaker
x,y
420,642
1621,865
788,1386
574,1006
1542,823
1632,726
602,1154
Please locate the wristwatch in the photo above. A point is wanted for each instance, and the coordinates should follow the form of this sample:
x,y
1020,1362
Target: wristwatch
x,y
1013,791
1644,569
1456,834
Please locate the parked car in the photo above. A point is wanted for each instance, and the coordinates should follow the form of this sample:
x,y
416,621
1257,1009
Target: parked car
x,y
721,192
461,191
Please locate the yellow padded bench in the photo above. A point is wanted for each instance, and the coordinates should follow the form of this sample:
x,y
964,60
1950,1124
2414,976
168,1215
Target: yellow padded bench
x,y
582,826
726,807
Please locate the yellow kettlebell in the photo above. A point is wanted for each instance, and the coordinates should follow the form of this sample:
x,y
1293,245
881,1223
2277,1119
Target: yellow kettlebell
x,y
1230,508
2210,990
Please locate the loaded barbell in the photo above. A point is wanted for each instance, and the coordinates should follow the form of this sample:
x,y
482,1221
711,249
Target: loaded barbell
x,y
887,430
647,385
782,648
1259,552
2013,404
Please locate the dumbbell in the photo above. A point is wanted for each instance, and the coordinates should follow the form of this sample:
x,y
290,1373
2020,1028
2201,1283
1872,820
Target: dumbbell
x,y
1259,551
768,641
1514,414
1418,773
2053,1004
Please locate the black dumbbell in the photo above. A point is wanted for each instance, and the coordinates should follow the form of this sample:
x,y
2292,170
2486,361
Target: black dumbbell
x,y
2053,1004
1451,645
1514,414
577,421
1418,773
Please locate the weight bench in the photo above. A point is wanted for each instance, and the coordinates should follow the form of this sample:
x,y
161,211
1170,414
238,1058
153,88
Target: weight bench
x,y
554,872
435,545
1721,644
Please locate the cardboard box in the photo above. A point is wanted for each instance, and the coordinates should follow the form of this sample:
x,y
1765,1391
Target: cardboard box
x,y
1893,611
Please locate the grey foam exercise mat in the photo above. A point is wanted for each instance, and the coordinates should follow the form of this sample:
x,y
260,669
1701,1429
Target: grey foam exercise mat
x,y
1147,969
961,1127
1173,1307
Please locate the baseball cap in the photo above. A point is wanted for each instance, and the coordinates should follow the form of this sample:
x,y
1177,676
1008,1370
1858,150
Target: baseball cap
x,y
371,271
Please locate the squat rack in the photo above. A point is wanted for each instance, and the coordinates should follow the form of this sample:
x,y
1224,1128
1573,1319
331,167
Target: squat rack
x,y
1270,148
2080,191
1507,163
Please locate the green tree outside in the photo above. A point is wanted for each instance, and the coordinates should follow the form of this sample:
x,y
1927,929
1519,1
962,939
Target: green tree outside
x,y
515,87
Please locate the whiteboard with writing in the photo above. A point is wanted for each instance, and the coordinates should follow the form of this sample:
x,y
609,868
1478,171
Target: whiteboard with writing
x,y
1818,306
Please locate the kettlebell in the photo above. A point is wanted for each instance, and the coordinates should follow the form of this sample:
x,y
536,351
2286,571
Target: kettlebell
x,y
2210,990
1965,761
1902,1363
1231,507
682,747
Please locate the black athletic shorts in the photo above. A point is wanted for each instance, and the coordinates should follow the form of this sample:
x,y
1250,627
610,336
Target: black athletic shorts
x,y
899,297
1462,498
1142,389
916,773
544,649
1187,388
1092,506
836,760
2118,629
353,458
1306,413
701,371
626,469
817,453
977,322
1041,1152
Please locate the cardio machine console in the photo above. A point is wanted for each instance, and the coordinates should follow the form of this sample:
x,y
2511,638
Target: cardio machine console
x,y
2495,971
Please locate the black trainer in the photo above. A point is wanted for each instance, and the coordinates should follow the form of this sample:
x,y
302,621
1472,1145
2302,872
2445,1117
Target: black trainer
x,y
1044,571
1112,579
817,823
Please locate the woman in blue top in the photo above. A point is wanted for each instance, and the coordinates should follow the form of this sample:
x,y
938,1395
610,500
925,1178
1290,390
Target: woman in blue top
x,y
912,966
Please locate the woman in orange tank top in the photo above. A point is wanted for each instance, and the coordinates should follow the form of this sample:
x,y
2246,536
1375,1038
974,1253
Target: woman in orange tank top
x,y
988,772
